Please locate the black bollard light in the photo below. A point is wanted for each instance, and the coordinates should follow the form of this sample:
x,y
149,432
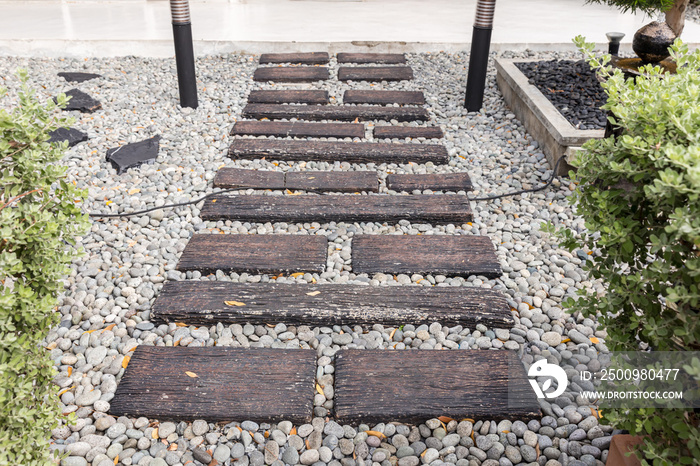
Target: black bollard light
x,y
184,52
614,39
479,57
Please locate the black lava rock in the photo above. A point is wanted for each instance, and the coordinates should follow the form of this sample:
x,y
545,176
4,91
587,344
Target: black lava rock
x,y
133,155
72,135
572,87
78,77
81,101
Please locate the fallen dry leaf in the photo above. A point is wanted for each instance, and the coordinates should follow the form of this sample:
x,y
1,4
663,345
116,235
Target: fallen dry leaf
x,y
595,340
70,370
125,361
191,374
180,324
319,389
134,191
313,293
297,274
445,419
293,431
391,336
234,303
374,433
154,433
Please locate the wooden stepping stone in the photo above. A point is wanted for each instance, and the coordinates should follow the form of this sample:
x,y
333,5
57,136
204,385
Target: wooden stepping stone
x,y
384,97
352,152
218,384
204,303
375,73
440,254
414,386
386,58
436,182
291,74
335,112
228,177
401,132
254,253
311,58
342,182
298,129
431,208
289,97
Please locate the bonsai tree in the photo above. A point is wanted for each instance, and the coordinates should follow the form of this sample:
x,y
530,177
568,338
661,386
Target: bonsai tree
x,y
674,9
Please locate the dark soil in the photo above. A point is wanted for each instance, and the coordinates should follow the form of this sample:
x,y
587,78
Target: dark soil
x,y
573,89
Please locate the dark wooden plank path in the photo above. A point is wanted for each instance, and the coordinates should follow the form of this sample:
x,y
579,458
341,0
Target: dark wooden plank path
x,y
335,112
257,179
291,74
332,181
434,208
434,181
438,254
401,132
341,182
204,303
289,97
254,253
218,384
309,58
352,152
375,73
298,129
414,386
385,58
383,97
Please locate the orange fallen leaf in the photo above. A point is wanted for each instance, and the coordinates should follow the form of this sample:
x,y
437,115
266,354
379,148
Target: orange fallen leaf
x,y
266,434
109,327
391,336
154,433
595,340
134,191
213,201
468,419
374,433
234,303
445,419
319,389
566,340
180,324
293,431
172,447
191,374
70,371
132,349
65,390
314,293
297,274
177,343
306,442
125,361
116,459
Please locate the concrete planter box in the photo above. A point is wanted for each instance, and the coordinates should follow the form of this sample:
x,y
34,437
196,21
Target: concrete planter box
x,y
556,136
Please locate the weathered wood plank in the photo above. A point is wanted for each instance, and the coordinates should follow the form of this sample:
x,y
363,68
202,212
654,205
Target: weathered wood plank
x,y
229,384
342,182
384,97
291,96
375,73
352,152
435,208
335,112
298,129
440,254
229,177
309,58
434,181
414,386
385,58
254,253
203,303
401,132
291,74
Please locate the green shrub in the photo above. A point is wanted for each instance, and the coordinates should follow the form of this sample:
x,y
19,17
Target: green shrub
x,y
639,195
39,219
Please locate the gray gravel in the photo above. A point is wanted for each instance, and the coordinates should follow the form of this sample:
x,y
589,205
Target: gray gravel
x,y
126,262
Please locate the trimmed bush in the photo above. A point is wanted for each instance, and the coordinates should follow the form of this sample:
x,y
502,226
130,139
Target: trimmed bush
x,y
40,217
639,194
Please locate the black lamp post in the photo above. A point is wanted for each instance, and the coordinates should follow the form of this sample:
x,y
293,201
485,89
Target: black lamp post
x,y
184,52
479,57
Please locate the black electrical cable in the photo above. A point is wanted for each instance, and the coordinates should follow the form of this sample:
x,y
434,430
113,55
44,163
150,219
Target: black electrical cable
x,y
238,188
515,193
182,204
